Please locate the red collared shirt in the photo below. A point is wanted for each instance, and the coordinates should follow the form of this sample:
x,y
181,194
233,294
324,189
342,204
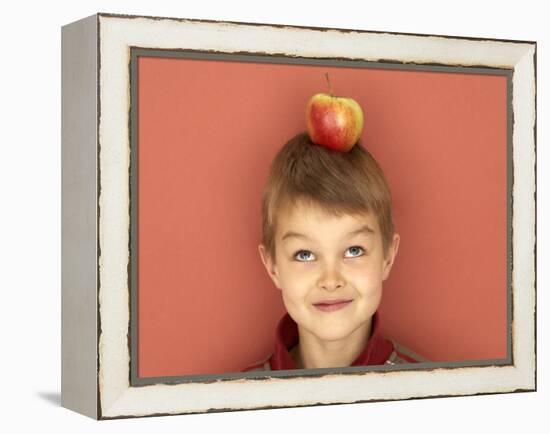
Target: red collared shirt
x,y
379,350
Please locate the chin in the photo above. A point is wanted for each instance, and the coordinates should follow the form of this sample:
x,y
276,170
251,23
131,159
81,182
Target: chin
x,y
335,334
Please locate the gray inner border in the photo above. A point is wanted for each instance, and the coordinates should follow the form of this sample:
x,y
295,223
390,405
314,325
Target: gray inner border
x,y
136,52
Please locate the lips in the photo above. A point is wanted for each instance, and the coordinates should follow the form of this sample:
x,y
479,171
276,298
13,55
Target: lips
x,y
332,305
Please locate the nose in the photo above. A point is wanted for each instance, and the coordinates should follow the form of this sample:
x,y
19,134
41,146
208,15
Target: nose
x,y
331,278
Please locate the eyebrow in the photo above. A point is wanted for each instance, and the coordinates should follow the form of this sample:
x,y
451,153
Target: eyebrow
x,y
363,229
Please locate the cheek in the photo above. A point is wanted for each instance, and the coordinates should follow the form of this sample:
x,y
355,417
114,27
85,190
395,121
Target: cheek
x,y
297,273
367,279
296,281
295,300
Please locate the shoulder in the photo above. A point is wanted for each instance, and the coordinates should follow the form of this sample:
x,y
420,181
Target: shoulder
x,y
402,355
260,365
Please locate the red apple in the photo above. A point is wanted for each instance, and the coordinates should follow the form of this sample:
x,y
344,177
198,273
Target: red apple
x,y
333,121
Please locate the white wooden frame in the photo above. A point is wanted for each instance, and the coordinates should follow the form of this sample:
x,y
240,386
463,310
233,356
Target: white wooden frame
x,y
95,212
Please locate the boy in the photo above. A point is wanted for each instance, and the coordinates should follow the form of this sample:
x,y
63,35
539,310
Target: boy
x,y
328,243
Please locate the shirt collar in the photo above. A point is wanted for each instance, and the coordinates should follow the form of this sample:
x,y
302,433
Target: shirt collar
x,y
376,352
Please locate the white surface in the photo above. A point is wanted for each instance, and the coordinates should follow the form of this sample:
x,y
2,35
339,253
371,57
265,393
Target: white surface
x,y
30,217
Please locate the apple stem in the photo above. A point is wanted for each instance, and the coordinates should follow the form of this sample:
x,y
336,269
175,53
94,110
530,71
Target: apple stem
x,y
329,85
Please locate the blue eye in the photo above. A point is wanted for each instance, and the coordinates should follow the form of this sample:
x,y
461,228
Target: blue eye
x,y
358,250
299,253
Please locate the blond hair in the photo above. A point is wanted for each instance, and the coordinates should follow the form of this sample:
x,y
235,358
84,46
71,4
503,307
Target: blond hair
x,y
338,182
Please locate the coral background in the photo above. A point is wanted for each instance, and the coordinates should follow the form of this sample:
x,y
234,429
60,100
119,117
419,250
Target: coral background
x,y
208,131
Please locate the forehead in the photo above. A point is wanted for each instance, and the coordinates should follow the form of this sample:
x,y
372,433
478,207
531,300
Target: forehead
x,y
316,223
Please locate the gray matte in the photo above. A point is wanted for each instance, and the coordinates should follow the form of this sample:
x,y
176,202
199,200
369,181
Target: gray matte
x,y
136,52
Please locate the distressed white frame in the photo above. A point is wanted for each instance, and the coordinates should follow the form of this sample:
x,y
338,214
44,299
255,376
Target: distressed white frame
x,y
116,397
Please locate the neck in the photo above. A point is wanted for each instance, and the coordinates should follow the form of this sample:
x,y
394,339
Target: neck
x,y
312,352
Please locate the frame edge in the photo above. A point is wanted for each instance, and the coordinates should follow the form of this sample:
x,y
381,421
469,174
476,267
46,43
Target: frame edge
x,y
114,408
78,217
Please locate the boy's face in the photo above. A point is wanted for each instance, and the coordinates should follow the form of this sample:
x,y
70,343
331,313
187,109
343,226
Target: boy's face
x,y
319,258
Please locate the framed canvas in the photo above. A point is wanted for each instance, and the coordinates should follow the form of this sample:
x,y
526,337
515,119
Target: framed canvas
x,y
169,129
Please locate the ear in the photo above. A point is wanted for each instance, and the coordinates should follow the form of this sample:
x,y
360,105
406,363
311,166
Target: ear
x,y
392,252
269,264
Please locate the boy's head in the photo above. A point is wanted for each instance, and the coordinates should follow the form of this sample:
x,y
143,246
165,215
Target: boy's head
x,y
328,233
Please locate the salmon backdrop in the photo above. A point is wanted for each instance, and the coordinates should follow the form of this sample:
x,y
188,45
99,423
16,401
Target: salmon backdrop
x,y
207,133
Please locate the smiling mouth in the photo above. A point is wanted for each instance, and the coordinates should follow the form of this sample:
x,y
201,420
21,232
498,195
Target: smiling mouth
x,y
332,306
